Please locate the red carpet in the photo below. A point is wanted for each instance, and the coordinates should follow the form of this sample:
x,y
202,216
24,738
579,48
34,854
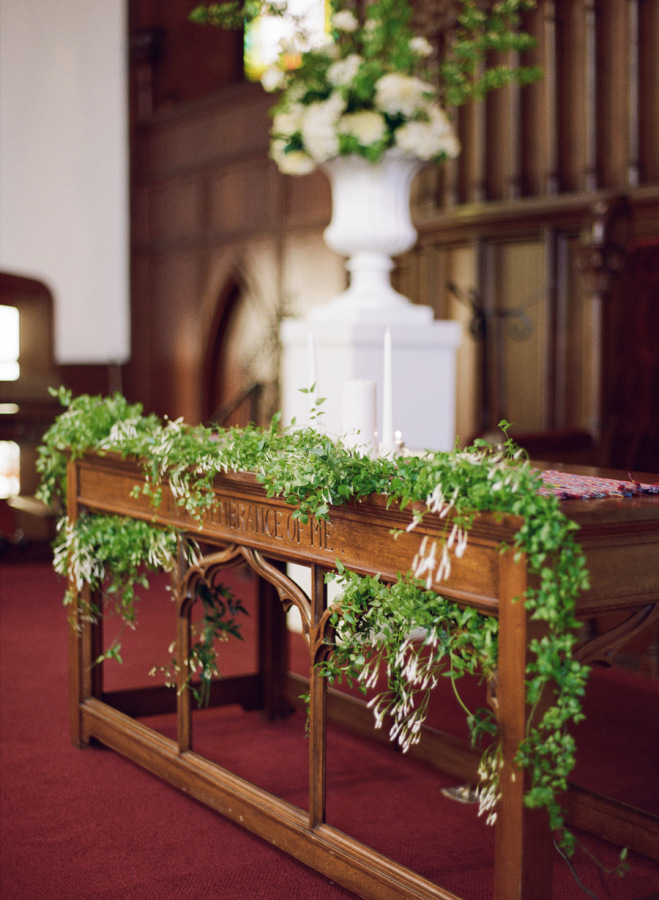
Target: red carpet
x,y
88,824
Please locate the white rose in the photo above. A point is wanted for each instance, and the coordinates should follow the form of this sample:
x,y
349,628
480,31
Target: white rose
x,y
405,94
344,20
343,71
367,126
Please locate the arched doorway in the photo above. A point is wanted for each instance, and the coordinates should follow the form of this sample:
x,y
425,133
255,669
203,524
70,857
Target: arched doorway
x,y
241,363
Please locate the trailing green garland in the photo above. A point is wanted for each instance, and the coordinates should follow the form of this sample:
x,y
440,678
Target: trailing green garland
x,y
405,629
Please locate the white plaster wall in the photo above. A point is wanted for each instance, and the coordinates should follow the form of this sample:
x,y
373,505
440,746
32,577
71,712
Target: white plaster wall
x,y
64,167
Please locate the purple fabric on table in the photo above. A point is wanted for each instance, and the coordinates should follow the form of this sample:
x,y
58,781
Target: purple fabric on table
x,y
567,486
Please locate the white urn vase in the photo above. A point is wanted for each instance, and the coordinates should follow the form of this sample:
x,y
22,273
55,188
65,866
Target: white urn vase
x,y
370,223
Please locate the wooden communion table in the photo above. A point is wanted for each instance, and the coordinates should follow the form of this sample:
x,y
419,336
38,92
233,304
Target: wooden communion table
x,y
620,537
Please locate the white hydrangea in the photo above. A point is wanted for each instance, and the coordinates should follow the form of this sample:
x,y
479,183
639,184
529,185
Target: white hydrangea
x,y
295,162
319,128
288,122
272,79
427,139
368,126
329,49
421,46
343,71
404,94
344,20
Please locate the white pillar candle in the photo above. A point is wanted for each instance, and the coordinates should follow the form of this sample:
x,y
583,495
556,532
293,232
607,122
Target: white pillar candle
x,y
311,352
359,414
387,444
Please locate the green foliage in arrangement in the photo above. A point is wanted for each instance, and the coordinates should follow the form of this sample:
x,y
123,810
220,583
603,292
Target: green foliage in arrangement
x,y
404,630
466,73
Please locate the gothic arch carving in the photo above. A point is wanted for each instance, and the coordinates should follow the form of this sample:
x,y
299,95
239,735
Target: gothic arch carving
x,y
239,321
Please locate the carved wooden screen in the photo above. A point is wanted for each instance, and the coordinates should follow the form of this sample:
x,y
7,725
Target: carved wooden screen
x,y
523,237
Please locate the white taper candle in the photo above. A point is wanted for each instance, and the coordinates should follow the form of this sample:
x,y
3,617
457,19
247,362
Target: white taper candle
x,y
387,441
311,352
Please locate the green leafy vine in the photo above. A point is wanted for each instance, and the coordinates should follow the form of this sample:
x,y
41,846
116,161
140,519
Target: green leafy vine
x,y
406,629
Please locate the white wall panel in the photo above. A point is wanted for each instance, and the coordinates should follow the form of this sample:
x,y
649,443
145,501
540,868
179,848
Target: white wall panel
x,y
64,167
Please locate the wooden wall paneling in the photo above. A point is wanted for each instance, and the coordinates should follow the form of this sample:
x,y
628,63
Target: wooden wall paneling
x,y
449,181
241,198
457,265
176,340
307,202
522,338
438,283
491,386
426,289
513,186
590,174
311,274
409,275
226,127
137,372
611,86
502,143
538,108
632,97
427,194
550,123
473,188
497,147
584,334
648,91
569,330
572,106
175,61
556,356
571,412
176,210
631,413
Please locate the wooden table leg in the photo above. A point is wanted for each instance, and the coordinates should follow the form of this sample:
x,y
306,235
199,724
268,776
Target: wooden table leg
x,y
273,651
523,841
317,708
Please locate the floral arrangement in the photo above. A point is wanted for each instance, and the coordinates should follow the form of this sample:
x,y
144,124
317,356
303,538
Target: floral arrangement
x,y
364,92
374,85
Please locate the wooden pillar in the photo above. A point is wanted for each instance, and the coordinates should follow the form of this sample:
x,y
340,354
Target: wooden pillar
x,y
633,98
550,87
590,174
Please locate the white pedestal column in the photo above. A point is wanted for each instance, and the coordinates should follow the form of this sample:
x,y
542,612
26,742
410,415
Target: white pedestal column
x,y
348,348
